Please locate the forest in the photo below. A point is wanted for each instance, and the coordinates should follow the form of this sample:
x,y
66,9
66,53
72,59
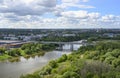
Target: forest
x,y
92,61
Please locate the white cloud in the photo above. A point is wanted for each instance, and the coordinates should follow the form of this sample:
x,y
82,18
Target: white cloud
x,y
81,19
67,5
75,14
74,1
94,15
38,7
108,17
70,1
27,7
81,14
28,14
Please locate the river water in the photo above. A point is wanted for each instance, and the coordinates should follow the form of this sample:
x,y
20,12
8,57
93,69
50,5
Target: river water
x,y
25,66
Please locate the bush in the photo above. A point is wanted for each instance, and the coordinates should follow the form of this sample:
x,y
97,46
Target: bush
x,y
62,58
116,63
53,64
109,59
2,50
116,53
31,76
92,55
70,74
46,70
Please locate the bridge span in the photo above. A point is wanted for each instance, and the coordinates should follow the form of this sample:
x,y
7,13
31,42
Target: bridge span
x,y
83,43
12,44
62,42
17,44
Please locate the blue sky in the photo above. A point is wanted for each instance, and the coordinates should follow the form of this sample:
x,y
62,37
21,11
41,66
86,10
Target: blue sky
x,y
59,14
106,6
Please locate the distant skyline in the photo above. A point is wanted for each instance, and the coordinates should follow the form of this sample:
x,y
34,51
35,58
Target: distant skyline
x,y
57,14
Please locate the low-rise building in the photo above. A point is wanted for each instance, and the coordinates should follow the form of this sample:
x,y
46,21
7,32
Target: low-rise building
x,y
67,35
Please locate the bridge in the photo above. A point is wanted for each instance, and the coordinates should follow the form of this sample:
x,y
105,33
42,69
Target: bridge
x,y
62,42
82,42
16,44
12,44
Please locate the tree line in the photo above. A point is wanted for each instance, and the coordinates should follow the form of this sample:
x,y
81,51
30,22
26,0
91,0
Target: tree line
x,y
26,49
93,61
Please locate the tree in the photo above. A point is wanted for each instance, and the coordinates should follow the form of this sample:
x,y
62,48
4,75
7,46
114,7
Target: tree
x,y
70,74
53,64
109,59
116,53
2,50
62,59
116,63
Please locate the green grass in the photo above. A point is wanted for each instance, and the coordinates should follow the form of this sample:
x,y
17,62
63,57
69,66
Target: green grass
x,y
4,57
23,53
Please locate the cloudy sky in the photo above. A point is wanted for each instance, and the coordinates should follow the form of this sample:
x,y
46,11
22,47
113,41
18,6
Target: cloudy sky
x,y
59,14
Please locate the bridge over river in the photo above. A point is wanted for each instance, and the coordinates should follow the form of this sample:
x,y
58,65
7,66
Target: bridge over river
x,y
12,44
16,44
82,42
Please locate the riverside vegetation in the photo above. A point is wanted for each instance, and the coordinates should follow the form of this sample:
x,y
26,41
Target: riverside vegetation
x,y
26,50
93,61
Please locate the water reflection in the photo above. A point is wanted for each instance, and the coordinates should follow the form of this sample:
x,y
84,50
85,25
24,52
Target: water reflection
x,y
28,64
66,47
15,69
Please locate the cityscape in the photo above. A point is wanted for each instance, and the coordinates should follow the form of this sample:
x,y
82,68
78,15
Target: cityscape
x,y
59,39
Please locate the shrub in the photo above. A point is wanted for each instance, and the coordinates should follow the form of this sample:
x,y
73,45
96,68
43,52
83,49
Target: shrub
x,y
70,74
53,64
62,59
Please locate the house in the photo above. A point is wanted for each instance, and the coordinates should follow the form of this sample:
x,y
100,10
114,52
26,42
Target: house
x,y
108,35
10,38
68,35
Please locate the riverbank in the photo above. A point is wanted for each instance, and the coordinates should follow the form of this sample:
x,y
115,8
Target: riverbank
x,y
93,61
6,57
28,66
26,50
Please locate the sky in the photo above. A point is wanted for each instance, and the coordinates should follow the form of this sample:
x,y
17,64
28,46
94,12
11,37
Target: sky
x,y
46,14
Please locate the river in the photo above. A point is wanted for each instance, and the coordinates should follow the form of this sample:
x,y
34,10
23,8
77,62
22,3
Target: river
x,y
25,66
